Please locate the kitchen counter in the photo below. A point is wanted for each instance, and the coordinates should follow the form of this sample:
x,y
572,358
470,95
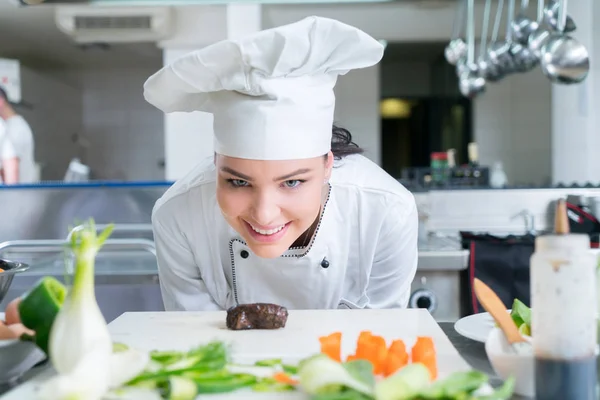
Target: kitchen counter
x,y
471,352
438,253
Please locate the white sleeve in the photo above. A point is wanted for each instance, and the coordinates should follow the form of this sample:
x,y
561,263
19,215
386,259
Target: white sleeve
x,y
396,259
181,284
7,149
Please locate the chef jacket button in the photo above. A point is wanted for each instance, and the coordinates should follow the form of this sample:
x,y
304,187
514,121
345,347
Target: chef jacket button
x,y
244,254
325,263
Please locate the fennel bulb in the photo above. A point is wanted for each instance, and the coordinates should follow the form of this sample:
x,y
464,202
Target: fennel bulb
x,y
80,346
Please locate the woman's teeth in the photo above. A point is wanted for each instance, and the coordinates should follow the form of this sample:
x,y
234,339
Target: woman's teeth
x,y
268,232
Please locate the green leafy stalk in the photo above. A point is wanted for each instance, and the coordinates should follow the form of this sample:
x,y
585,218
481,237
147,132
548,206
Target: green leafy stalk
x,y
85,245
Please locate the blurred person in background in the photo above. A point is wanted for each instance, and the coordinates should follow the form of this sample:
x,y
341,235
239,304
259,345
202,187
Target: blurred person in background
x,y
9,162
18,133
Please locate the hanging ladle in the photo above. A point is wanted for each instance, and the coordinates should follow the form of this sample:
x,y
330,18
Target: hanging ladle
x,y
523,58
470,83
499,52
551,16
564,59
457,48
538,38
487,69
522,26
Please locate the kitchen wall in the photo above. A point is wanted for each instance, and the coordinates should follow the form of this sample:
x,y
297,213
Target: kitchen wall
x,y
98,115
54,116
513,123
357,108
125,133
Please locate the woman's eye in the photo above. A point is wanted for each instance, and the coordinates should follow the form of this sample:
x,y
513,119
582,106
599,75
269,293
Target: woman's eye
x,y
237,182
293,183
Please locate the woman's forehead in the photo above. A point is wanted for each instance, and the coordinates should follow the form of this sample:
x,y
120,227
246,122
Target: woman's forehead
x,y
267,168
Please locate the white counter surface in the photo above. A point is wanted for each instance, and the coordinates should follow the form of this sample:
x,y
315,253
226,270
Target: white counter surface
x,y
299,339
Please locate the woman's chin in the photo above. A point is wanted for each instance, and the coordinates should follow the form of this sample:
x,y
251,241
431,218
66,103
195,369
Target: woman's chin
x,y
268,250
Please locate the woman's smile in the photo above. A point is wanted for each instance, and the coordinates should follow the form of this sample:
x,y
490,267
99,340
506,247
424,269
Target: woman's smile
x,y
269,235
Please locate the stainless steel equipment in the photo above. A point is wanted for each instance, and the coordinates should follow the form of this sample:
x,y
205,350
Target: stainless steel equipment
x,y
437,283
126,271
9,270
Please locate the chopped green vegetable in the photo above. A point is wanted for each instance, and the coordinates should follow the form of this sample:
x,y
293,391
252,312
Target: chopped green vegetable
x,y
290,369
361,370
268,363
229,384
455,386
521,313
178,388
405,384
119,347
320,374
271,385
504,392
344,394
521,316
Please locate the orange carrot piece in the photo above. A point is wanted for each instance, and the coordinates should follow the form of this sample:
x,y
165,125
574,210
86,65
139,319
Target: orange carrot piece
x,y
282,377
394,362
331,345
398,347
351,357
397,357
424,352
379,354
364,345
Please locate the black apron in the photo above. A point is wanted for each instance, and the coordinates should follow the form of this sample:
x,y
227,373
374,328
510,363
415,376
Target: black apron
x,y
502,263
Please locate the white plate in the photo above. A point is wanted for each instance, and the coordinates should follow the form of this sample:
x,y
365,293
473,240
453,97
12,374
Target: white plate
x,y
476,327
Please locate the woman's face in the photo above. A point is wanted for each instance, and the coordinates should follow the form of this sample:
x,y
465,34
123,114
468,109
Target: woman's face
x,y
271,203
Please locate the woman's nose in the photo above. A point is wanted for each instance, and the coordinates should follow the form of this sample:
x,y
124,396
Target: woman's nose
x,y
265,210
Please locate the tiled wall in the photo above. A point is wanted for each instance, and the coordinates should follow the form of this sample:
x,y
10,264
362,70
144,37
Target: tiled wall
x,y
98,115
126,134
54,116
513,124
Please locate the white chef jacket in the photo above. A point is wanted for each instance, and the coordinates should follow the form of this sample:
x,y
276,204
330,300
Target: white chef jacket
x,y
20,135
367,233
7,149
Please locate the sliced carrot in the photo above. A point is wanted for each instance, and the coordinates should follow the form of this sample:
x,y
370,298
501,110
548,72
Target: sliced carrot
x,y
397,346
364,345
379,354
394,362
396,358
351,357
424,352
282,377
331,345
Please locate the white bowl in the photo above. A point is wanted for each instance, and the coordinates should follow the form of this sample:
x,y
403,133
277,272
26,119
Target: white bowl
x,y
507,363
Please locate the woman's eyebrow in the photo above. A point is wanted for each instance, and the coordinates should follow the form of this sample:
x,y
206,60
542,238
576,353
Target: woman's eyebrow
x,y
292,174
235,173
281,178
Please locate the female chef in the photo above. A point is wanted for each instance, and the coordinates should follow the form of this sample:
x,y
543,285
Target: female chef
x,y
277,216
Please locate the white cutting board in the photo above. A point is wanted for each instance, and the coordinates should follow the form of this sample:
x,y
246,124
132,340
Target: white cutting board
x,y
299,339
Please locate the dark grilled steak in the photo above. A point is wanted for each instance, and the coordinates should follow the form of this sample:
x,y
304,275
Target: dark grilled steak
x,y
256,316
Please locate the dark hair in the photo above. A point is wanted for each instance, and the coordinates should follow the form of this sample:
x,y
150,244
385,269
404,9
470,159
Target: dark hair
x,y
3,94
342,144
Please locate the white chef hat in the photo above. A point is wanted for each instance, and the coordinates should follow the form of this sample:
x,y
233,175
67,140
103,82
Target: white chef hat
x,y
271,94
